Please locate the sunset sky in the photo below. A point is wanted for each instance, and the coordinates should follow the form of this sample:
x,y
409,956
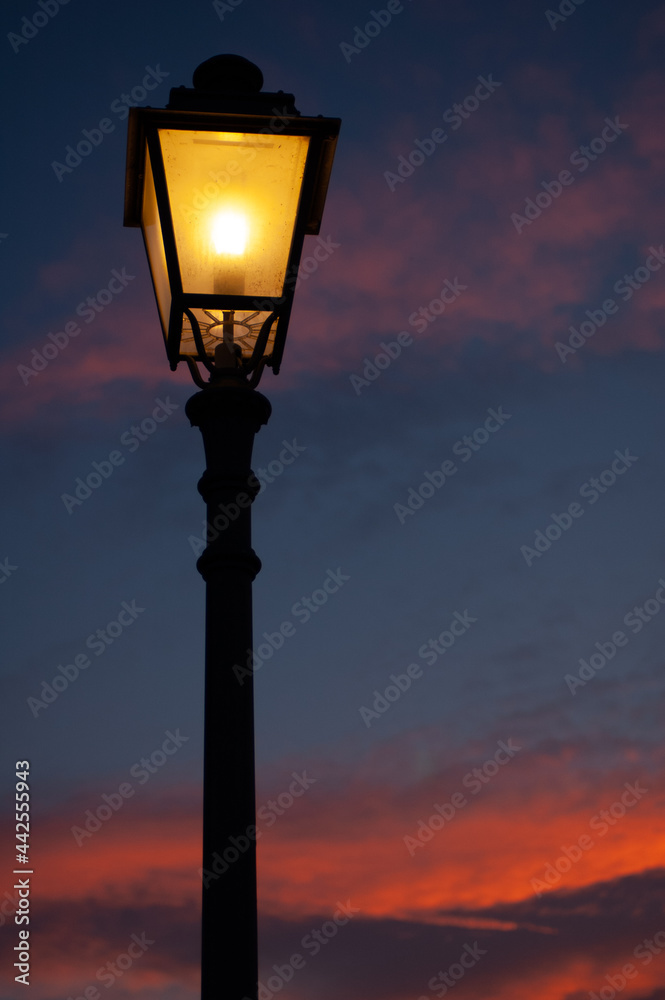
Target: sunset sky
x,y
472,390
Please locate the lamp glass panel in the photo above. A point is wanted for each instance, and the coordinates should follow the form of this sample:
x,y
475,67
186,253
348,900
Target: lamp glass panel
x,y
152,234
234,200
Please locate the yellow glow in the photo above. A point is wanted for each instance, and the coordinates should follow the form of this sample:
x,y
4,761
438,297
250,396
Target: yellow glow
x,y
211,185
230,232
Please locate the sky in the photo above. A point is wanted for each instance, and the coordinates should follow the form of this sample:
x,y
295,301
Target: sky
x,y
472,394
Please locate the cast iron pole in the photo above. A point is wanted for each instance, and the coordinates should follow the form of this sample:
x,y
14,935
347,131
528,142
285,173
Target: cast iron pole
x,y
229,414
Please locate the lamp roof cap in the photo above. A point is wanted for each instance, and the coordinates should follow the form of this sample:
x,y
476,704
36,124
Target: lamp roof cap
x,y
228,74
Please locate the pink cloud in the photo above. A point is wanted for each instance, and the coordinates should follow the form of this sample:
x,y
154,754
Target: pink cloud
x,y
451,219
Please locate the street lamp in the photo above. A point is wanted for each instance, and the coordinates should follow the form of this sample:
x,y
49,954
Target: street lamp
x,y
225,183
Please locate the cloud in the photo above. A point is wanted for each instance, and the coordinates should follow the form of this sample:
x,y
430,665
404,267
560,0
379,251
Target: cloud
x,y
452,218
344,842
559,949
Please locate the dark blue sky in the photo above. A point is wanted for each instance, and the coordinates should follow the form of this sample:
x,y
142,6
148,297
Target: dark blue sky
x,y
336,508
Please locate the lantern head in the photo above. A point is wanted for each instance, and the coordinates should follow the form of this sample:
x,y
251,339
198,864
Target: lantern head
x,y
225,184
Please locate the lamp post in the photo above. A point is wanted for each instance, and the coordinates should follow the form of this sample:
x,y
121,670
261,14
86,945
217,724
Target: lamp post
x,y
225,183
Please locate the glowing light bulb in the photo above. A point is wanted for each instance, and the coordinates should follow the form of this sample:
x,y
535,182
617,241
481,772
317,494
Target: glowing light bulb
x,y
229,233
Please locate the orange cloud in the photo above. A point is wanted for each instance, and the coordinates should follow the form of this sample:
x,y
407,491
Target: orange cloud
x,y
344,840
350,839
533,810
